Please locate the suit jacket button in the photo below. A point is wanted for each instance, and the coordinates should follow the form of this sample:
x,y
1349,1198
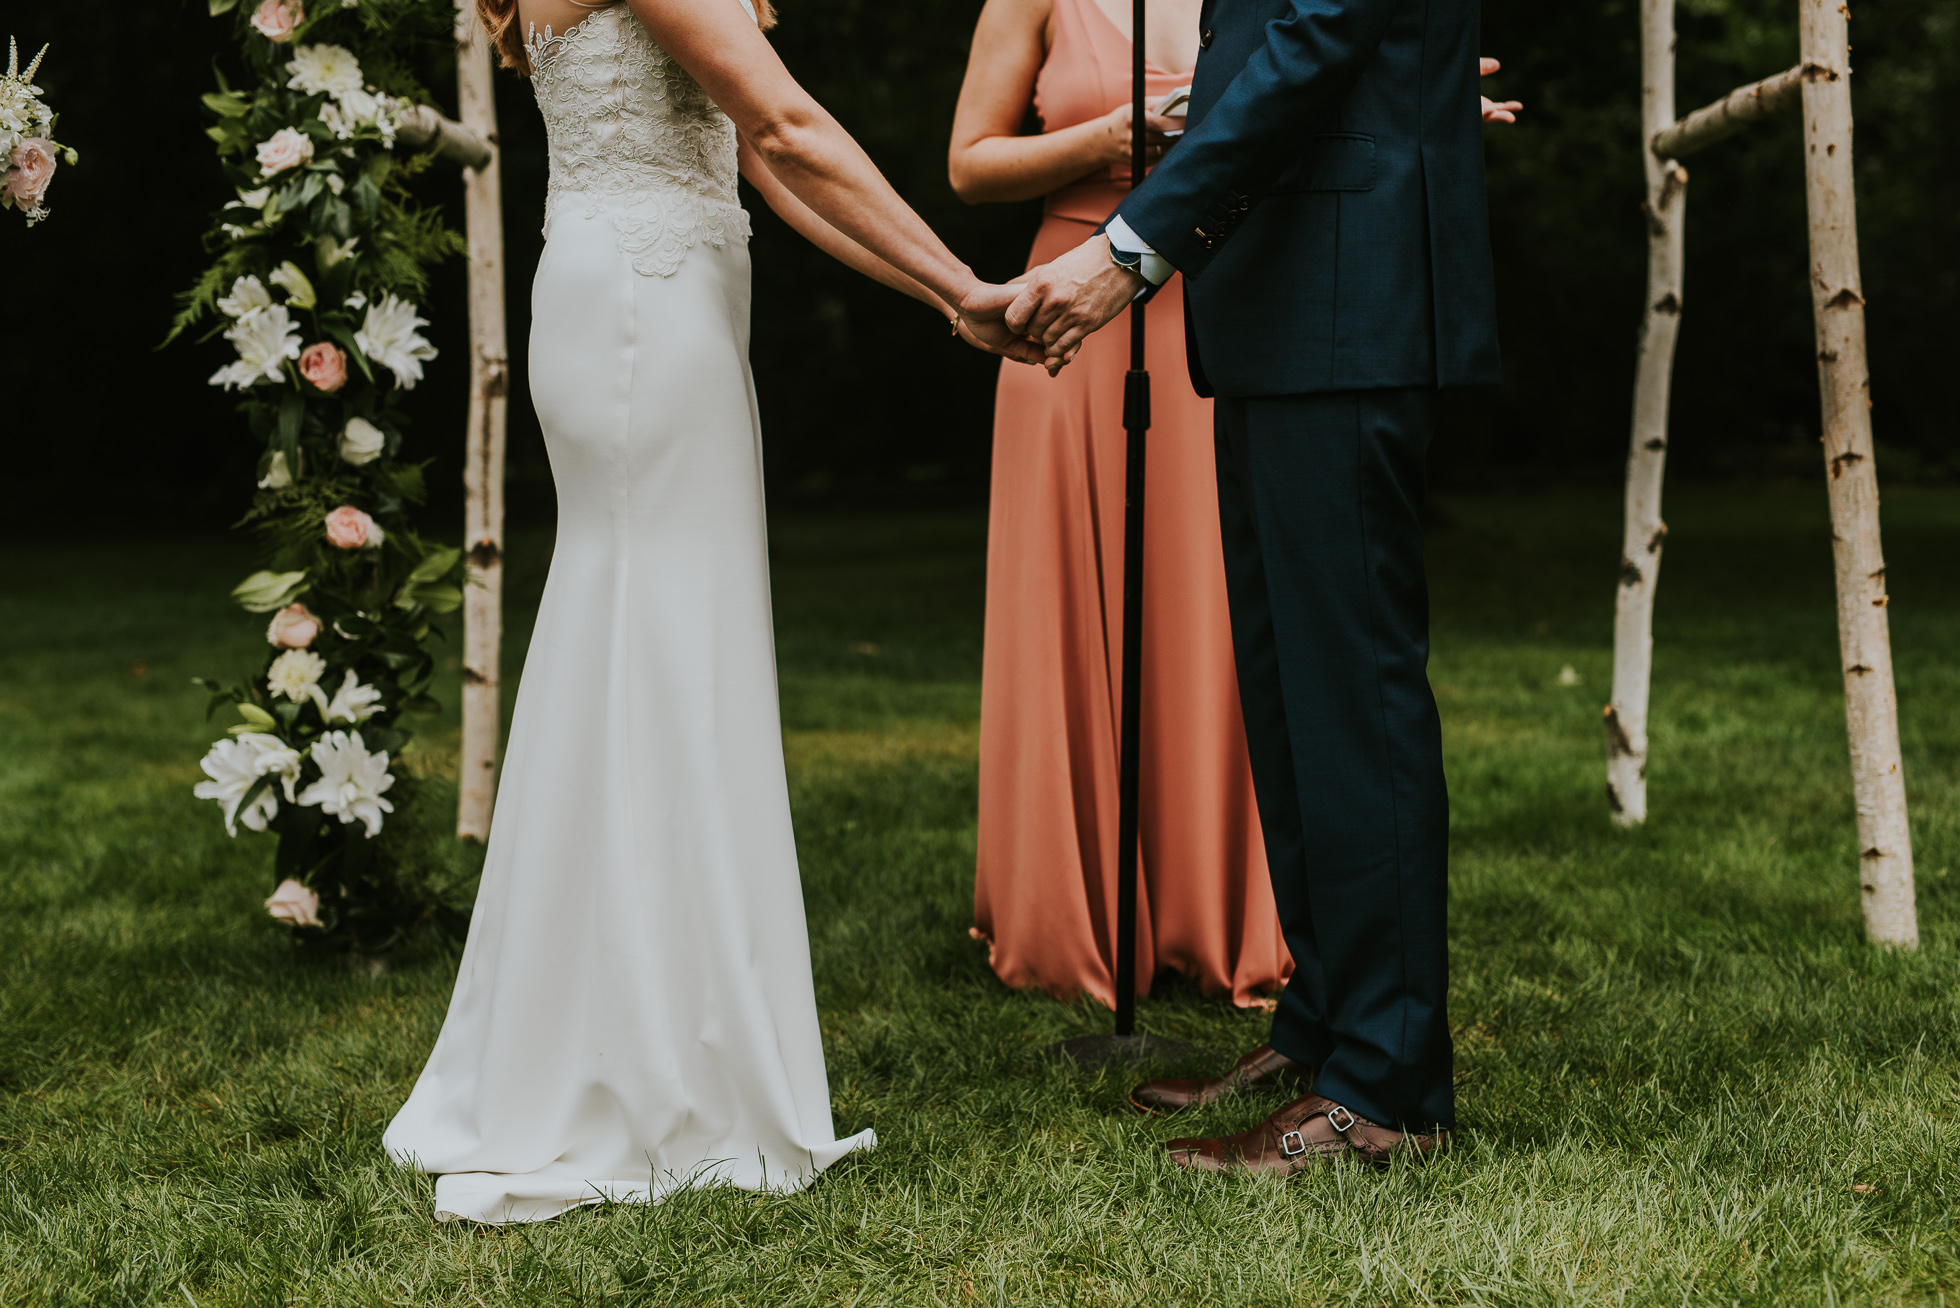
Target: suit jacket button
x,y
1204,41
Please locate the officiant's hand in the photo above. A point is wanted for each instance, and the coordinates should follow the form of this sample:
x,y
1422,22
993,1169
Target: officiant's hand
x,y
981,323
1062,303
1496,111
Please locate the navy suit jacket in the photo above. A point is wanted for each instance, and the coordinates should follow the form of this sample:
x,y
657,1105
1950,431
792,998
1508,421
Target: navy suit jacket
x,y
1326,204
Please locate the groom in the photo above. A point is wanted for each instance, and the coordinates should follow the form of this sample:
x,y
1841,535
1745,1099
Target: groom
x,y
1326,206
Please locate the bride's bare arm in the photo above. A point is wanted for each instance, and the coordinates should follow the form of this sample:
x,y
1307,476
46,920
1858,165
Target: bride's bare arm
x,y
815,158
811,226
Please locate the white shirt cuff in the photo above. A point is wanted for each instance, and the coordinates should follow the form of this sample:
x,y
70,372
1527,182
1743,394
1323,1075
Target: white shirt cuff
x,y
1156,269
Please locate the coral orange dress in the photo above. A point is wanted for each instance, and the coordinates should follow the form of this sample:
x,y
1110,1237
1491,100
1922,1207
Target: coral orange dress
x,y
1045,896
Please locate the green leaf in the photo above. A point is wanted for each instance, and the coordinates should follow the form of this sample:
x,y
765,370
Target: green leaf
x,y
292,409
225,106
440,599
435,567
262,592
346,338
222,7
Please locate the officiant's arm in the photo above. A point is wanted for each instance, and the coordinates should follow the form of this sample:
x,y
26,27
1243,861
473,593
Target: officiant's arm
x,y
990,159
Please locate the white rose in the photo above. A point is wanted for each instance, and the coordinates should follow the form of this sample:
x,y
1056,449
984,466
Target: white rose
x,y
362,442
295,905
285,149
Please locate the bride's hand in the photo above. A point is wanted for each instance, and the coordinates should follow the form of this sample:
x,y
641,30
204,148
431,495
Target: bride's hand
x,y
982,322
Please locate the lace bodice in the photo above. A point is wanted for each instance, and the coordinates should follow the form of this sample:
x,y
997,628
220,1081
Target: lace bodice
x,y
635,139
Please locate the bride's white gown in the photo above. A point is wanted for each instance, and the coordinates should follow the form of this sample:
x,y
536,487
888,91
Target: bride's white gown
x,y
634,1011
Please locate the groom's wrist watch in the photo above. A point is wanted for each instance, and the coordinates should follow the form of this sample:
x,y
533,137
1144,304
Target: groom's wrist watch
x,y
1127,260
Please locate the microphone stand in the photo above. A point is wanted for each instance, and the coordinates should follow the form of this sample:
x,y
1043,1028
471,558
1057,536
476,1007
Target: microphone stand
x,y
1126,1046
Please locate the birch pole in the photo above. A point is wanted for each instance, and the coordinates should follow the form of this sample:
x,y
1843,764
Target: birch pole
x,y
1871,708
1640,553
483,466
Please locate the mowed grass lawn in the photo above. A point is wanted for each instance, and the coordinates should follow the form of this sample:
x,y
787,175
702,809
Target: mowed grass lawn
x,y
1683,1076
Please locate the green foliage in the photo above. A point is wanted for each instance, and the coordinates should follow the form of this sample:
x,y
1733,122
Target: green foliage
x,y
1683,1076
336,232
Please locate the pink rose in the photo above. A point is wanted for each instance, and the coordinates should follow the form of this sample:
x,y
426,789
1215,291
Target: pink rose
x,y
33,169
276,20
293,627
324,365
350,529
284,149
293,903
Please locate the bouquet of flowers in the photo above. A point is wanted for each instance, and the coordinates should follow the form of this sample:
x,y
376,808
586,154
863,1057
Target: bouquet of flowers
x,y
321,258
28,150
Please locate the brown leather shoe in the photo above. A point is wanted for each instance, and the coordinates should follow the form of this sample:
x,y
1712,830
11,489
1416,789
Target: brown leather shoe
x,y
1308,1132
1259,1069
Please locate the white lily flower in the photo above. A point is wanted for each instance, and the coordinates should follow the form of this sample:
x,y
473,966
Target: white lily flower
x,y
299,291
351,782
265,339
324,70
235,765
333,253
248,296
296,675
388,337
353,703
277,475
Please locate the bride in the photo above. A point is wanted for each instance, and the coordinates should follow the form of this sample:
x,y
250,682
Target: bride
x,y
634,1010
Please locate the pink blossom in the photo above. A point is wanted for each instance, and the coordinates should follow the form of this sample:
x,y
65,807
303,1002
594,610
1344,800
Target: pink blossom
x,y
295,904
285,148
293,627
350,529
277,20
324,365
33,168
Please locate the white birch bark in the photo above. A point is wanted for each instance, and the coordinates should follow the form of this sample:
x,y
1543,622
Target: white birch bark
x,y
1864,632
420,125
483,467
1640,554
1730,114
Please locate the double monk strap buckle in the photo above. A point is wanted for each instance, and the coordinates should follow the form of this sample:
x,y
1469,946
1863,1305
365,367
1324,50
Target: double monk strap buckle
x,y
1293,1144
1334,1116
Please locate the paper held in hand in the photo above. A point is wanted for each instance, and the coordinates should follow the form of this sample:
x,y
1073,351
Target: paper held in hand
x,y
1175,105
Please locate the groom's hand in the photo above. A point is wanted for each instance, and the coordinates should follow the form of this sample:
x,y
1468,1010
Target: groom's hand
x,y
1061,303
982,325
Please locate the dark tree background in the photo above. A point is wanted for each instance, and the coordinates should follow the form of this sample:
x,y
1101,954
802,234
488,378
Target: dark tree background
x,y
866,399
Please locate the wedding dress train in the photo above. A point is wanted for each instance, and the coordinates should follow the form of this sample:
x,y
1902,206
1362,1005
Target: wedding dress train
x,y
634,1011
